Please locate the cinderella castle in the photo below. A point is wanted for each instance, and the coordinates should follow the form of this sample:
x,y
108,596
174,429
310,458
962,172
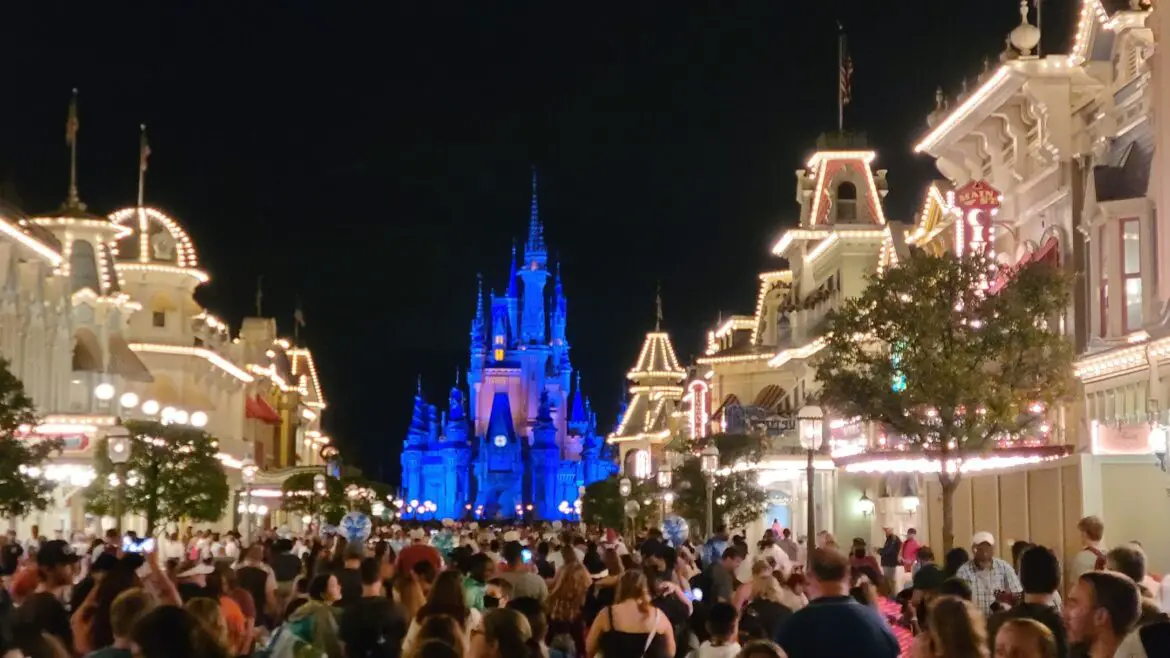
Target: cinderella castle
x,y
526,441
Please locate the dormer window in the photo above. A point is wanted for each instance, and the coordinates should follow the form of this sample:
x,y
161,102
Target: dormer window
x,y
846,202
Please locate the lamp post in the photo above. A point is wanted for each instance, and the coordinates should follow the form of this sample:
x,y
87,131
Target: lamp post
x,y
319,490
248,475
118,450
624,488
665,478
810,421
708,464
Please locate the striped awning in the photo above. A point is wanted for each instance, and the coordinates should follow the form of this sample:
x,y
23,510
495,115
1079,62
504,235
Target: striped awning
x,y
769,397
730,399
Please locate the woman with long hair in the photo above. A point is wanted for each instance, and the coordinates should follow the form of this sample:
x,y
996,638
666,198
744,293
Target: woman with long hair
x,y
171,632
91,623
566,603
438,630
207,612
237,607
631,626
446,598
506,634
408,593
602,591
955,629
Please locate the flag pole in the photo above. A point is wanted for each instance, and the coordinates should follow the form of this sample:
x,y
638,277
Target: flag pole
x,y
840,78
143,153
73,200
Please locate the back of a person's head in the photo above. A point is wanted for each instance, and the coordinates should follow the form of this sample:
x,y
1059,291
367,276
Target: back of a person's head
x,y
447,592
441,628
513,553
761,649
533,611
957,628
956,587
435,649
127,609
721,619
425,571
371,571
1093,528
1128,559
633,585
506,633
955,558
828,565
1030,632
172,632
1039,570
207,612
319,585
1118,595
1018,548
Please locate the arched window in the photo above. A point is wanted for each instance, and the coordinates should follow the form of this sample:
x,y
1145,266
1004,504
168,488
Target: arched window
x,y
846,202
83,267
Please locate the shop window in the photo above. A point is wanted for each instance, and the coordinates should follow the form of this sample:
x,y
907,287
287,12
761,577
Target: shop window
x,y
1131,274
159,319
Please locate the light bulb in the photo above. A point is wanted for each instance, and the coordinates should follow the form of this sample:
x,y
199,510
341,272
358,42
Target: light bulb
x,y
129,400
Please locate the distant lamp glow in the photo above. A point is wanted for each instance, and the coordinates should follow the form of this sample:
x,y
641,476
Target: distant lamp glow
x,y
199,419
181,417
624,487
104,391
118,445
665,476
865,506
129,400
150,407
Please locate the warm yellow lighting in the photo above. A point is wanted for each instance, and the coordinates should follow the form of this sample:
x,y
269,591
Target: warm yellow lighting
x,y
998,79
203,353
198,275
802,352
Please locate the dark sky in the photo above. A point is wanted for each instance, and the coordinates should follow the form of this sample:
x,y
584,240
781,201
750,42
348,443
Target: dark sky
x,y
372,157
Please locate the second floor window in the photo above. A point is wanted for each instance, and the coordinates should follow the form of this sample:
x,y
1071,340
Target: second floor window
x,y
1131,274
159,318
1102,283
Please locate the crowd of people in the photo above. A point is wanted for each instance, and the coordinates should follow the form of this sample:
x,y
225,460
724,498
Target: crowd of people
x,y
542,591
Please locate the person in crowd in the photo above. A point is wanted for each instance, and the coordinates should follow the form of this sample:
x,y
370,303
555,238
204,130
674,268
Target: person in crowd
x,y
1022,637
43,610
257,577
1102,607
566,604
480,569
790,548
603,591
314,622
632,626
720,576
909,553
1039,577
286,568
771,552
956,630
760,569
236,606
324,588
1018,548
860,558
192,579
446,598
533,611
373,626
991,579
1091,557
206,611
1130,560
953,560
922,557
128,607
685,568
420,557
723,631
762,649
441,629
171,632
506,634
525,583
408,593
98,568
891,554
715,546
91,623
349,576
833,624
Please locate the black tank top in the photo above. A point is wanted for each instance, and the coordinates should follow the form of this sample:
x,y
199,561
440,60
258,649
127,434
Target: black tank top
x,y
623,644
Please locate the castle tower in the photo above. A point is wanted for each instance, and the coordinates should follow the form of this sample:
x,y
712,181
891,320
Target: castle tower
x,y
545,456
479,346
534,275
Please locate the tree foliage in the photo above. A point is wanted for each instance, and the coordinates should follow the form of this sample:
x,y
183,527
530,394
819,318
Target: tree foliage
x,y
172,474
602,503
970,363
743,498
23,485
300,497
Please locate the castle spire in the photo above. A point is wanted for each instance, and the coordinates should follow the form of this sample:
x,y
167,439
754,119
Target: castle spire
x,y
512,273
479,297
535,244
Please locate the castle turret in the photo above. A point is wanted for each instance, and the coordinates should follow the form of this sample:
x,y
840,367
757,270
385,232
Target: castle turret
x,y
499,327
478,338
513,298
535,276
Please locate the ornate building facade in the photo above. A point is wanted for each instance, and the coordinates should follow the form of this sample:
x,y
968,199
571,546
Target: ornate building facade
x,y
521,442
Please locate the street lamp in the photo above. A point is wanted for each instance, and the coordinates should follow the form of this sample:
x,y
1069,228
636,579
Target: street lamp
x,y
708,464
248,475
810,422
319,488
624,488
665,477
118,451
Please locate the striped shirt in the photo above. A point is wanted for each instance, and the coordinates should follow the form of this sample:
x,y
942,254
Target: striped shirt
x,y
985,583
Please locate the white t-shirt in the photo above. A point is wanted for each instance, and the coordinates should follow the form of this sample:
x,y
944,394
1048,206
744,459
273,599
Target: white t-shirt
x,y
557,560
708,650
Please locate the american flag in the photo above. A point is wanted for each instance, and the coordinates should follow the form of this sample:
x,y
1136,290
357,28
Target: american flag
x,y
143,150
72,124
846,74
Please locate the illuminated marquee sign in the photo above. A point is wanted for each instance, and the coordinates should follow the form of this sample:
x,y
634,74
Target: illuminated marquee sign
x,y
978,201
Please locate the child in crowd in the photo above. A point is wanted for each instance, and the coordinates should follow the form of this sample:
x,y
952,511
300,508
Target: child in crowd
x,y
723,626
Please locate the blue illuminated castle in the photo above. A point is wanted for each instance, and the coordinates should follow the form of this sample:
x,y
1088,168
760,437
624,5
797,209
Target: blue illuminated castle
x,y
524,441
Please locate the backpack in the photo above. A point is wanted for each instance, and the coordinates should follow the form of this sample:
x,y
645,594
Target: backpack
x,y
292,640
1099,565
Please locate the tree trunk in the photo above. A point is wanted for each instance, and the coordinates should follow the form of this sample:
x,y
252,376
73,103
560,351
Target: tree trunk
x,y
949,484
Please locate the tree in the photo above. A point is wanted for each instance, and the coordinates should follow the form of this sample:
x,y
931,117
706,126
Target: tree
x,y
603,504
172,474
300,496
743,499
23,486
933,353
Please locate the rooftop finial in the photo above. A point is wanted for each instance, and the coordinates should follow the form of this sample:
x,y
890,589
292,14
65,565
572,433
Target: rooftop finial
x,y
511,289
479,296
658,308
535,229
418,386
72,125
1026,36
939,99
143,156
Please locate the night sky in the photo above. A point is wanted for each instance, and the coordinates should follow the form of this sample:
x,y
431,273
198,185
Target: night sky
x,y
373,161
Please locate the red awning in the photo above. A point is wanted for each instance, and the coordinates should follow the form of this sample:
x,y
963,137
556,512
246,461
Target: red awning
x,y
258,408
1049,251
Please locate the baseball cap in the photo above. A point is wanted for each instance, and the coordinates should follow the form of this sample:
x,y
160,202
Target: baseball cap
x,y
983,537
56,552
188,569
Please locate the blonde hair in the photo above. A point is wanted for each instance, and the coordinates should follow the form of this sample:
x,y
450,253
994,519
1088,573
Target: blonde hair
x,y
206,611
957,630
568,592
633,585
760,567
766,587
408,593
1032,631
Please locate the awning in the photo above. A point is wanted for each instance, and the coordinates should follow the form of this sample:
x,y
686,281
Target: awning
x,y
161,302
163,391
769,397
258,408
87,352
1048,252
124,362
